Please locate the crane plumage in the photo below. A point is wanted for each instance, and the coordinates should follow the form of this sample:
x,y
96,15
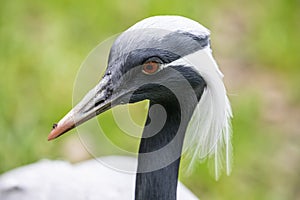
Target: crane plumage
x,y
209,130
187,80
168,61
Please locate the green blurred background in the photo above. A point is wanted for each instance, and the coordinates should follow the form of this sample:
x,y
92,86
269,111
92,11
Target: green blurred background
x,y
256,43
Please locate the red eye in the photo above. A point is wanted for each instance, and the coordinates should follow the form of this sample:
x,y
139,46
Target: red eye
x,y
150,67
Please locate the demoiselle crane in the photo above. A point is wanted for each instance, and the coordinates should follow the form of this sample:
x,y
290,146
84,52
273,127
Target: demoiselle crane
x,y
168,61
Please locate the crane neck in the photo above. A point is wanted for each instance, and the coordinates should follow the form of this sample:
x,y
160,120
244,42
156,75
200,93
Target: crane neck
x,y
160,149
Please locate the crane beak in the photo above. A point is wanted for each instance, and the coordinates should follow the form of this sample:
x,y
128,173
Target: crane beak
x,y
96,101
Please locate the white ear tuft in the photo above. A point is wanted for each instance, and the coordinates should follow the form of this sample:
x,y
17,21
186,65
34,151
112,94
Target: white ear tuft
x,y
209,132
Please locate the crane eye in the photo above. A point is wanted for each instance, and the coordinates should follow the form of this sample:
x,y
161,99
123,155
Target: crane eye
x,y
150,67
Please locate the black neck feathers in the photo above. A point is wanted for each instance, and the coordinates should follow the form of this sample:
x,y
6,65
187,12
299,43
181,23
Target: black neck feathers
x,y
161,147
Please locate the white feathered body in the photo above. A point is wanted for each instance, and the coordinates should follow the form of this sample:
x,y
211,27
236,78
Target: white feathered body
x,y
60,180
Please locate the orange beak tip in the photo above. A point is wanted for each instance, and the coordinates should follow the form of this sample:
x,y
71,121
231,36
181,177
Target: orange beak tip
x,y
52,134
50,138
60,128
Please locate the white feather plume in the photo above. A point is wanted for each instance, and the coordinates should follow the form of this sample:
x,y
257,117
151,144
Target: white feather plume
x,y
209,132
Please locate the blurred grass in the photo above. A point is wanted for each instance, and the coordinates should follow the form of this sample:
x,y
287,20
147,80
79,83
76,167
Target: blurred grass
x,y
42,44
